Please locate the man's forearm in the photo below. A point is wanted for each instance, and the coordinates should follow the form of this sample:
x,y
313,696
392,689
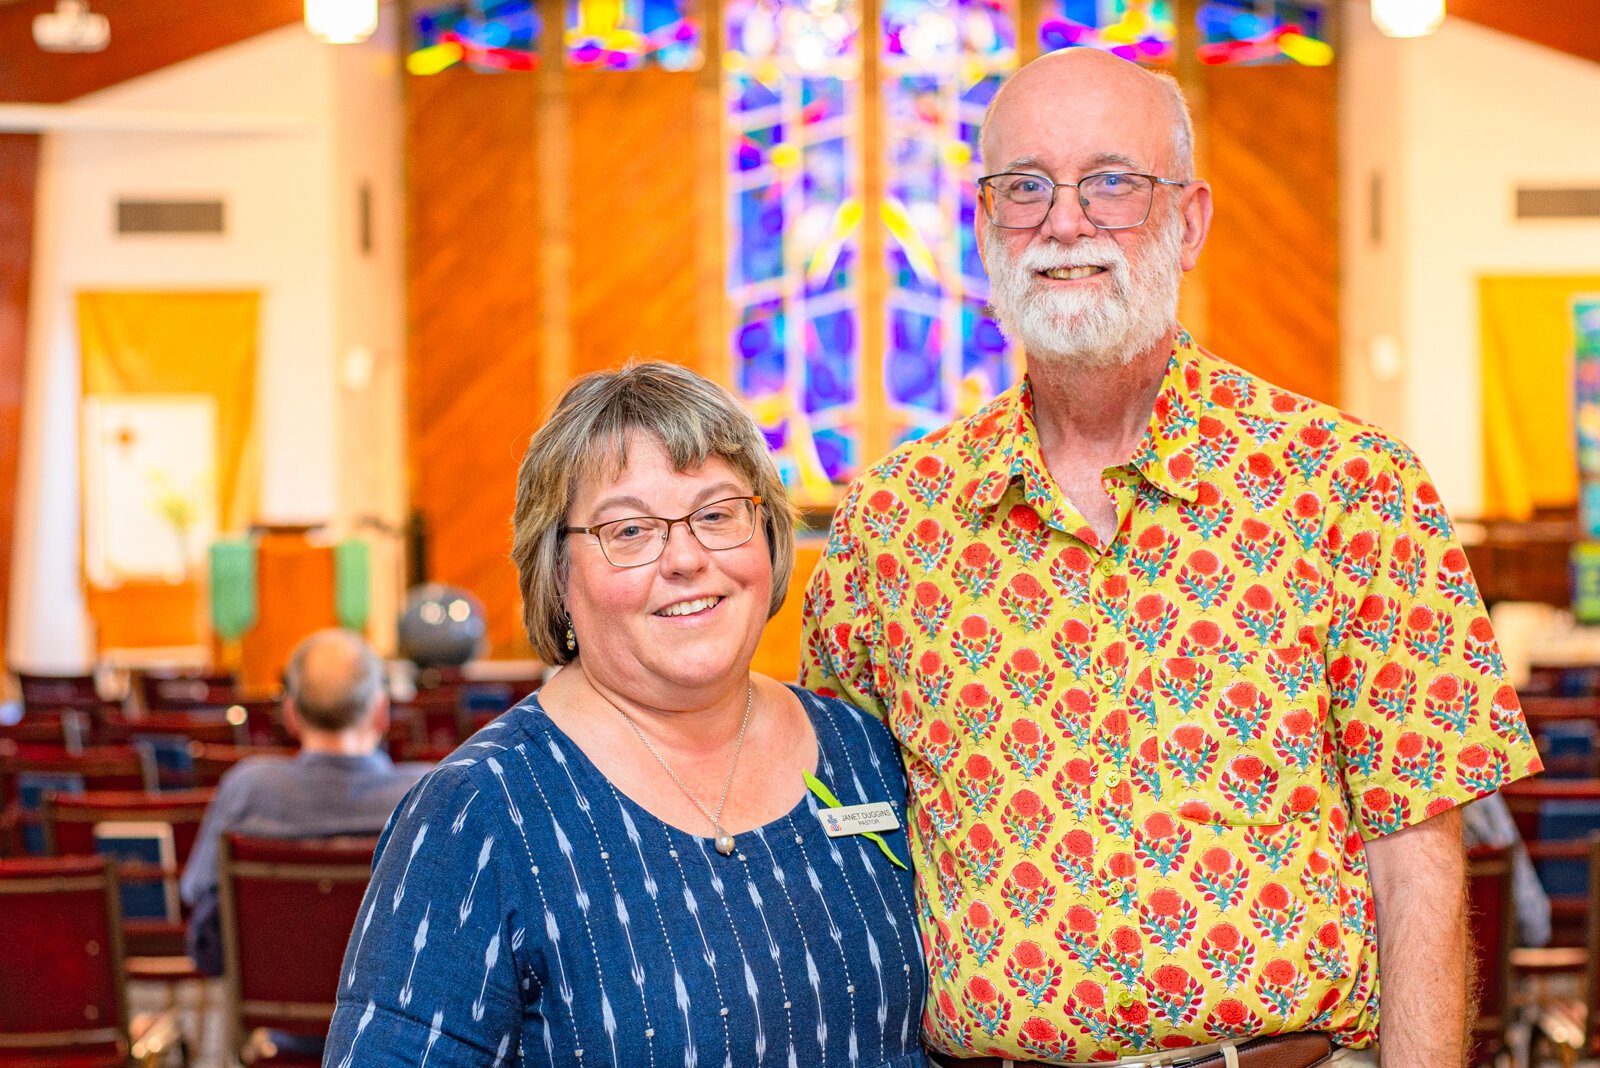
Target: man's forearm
x,y
1419,888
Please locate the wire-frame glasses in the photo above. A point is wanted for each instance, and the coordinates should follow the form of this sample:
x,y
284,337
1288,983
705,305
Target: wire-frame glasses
x,y
1017,200
640,539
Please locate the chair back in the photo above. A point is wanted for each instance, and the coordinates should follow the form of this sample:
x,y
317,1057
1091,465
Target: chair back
x,y
212,762
70,819
1591,976
1492,921
169,692
29,773
288,906
62,998
58,691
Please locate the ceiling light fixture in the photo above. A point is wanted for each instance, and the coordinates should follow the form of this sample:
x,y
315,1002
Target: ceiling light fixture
x,y
342,21
1407,18
71,27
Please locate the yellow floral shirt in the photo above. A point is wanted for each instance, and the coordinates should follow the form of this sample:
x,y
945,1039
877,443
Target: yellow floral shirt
x,y
1142,772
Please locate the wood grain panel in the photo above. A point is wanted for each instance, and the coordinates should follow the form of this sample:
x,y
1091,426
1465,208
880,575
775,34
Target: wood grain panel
x,y
19,165
1571,26
472,288
632,197
1272,261
145,37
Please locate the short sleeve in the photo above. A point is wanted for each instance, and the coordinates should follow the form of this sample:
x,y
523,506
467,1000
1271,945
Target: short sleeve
x,y
431,972
839,625
1424,718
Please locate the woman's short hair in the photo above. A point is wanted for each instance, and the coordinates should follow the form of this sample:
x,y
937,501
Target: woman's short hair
x,y
692,417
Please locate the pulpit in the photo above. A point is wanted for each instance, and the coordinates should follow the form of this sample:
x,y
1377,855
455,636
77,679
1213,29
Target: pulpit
x,y
295,596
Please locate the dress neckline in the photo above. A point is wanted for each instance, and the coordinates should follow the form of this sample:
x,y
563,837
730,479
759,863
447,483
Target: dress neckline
x,y
789,831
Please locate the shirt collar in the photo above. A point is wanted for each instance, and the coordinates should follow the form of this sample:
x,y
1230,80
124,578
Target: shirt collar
x,y
1164,456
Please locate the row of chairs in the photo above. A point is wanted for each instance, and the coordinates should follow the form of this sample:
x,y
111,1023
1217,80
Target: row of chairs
x,y
66,1005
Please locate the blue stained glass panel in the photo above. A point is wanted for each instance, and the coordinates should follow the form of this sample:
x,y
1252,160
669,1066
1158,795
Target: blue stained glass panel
x,y
792,120
821,98
486,37
983,346
912,376
750,93
761,226
629,34
1139,30
759,342
837,453
826,171
839,277
830,370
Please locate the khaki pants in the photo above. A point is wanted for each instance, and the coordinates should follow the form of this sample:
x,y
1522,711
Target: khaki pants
x,y
1354,1058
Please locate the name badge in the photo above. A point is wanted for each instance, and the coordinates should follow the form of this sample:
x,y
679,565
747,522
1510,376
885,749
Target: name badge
x,y
858,819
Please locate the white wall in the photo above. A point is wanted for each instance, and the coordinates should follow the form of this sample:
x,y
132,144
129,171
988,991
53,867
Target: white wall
x,y
1454,123
290,196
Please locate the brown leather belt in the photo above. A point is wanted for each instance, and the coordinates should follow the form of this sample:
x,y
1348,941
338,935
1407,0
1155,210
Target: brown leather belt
x,y
1303,1049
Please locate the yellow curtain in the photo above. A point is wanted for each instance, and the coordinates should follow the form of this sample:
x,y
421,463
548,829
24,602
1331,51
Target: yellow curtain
x,y
146,342
1530,460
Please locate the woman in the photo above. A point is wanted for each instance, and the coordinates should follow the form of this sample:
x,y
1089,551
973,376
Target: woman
x,y
628,868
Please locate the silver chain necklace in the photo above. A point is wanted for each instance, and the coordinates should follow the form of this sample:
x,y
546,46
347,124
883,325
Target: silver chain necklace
x,y
723,840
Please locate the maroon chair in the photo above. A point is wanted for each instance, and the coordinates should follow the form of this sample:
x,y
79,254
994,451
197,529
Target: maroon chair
x,y
281,984
1572,1024
1492,921
163,691
212,762
62,998
70,821
28,772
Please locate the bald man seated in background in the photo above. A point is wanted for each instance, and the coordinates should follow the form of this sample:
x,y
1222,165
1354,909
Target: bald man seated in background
x,y
339,783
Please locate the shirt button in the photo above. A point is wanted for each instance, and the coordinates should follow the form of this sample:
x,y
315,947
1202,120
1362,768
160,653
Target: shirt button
x,y
1113,780
1126,999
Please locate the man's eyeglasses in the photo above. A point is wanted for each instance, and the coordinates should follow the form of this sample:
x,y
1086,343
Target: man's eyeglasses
x,y
640,539
1016,200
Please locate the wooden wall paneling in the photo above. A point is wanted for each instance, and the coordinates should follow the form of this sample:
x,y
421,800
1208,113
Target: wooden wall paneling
x,y
19,165
715,327
632,194
1571,26
1271,136
553,148
473,309
145,37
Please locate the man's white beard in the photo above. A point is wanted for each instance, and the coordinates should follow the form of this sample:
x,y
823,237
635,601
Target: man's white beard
x,y
1082,328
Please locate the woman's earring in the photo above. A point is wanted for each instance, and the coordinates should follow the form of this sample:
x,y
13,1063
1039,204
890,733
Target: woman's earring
x,y
572,639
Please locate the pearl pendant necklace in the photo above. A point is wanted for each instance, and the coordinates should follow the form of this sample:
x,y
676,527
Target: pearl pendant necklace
x,y
722,840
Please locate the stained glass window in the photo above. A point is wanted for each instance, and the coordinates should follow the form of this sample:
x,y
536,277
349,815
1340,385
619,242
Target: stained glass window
x,y
1140,30
942,63
627,34
792,102
1263,31
484,34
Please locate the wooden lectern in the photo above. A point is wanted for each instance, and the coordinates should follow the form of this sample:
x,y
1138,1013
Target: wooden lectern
x,y
294,597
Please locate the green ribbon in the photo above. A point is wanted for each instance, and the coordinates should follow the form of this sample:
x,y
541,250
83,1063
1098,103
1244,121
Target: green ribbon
x,y
233,587
352,584
825,795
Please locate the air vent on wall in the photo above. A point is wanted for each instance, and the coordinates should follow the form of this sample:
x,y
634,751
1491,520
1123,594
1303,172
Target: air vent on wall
x,y
1573,203
169,217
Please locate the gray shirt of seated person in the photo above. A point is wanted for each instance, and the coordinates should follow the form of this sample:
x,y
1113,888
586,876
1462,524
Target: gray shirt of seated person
x,y
310,795
1487,821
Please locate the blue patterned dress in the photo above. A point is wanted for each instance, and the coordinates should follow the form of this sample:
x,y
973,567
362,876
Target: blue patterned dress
x,y
523,911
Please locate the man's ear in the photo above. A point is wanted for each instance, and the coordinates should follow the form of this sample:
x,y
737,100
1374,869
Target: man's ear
x,y
378,720
291,719
1195,206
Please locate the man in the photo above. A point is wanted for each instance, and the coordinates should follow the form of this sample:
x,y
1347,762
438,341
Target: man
x,y
1487,821
339,783
1189,672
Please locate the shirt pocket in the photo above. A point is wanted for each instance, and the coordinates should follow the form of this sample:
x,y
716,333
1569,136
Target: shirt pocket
x,y
1241,736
